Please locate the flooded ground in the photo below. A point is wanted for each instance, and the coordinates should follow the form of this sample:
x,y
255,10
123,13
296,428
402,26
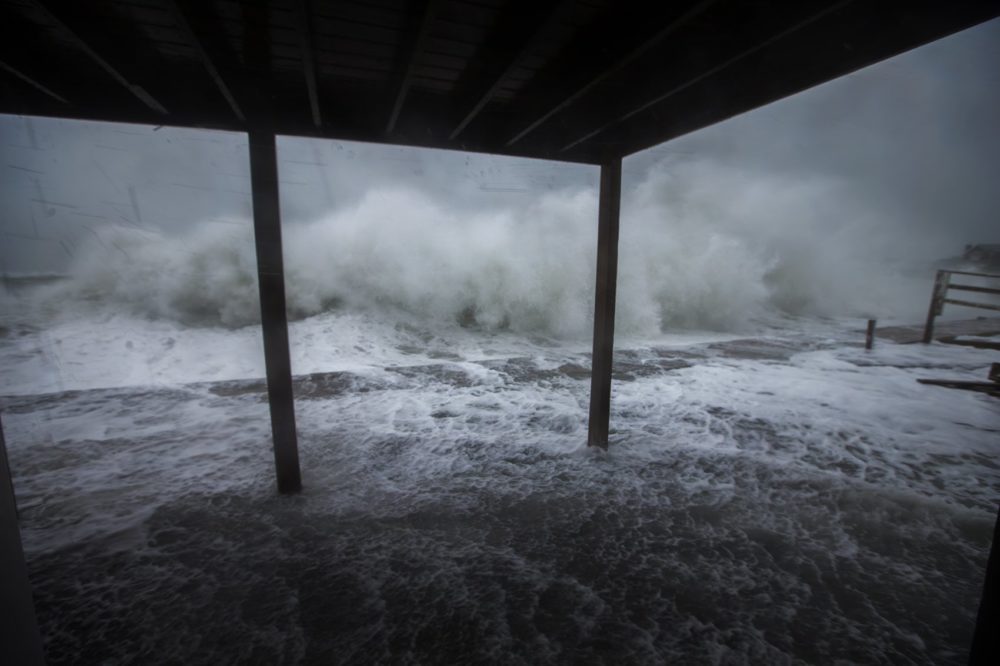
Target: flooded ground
x,y
776,499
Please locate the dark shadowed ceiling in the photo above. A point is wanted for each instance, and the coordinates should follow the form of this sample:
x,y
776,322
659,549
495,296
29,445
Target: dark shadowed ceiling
x,y
574,80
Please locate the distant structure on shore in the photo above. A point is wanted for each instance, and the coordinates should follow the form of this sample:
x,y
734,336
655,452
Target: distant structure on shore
x,y
985,255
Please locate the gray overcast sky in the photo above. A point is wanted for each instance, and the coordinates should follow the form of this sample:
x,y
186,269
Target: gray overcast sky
x,y
915,136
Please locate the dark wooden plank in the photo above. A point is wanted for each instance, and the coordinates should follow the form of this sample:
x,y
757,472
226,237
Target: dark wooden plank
x,y
467,14
423,71
442,45
274,321
377,64
972,304
385,36
604,303
969,287
976,342
985,275
467,34
360,13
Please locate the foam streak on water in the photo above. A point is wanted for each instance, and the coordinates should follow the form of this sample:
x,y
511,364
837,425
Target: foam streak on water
x,y
779,499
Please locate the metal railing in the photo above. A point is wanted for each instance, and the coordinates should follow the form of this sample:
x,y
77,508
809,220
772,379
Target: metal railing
x,y
942,284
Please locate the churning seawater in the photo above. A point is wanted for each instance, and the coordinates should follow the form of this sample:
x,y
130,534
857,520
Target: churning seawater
x,y
779,498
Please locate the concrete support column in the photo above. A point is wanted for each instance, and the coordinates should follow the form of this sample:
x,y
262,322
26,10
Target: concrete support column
x,y
274,322
604,302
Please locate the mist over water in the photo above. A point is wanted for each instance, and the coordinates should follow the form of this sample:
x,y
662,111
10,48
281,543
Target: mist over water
x,y
703,246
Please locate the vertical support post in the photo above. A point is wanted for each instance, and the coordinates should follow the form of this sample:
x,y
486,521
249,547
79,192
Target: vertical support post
x,y
937,303
985,647
19,635
609,208
870,334
274,321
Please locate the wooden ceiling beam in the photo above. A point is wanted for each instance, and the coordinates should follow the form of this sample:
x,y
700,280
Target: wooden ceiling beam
x,y
56,13
29,64
181,19
417,31
31,81
579,91
304,24
809,20
516,43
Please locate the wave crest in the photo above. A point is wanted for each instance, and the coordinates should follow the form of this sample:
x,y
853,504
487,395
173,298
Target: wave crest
x,y
701,247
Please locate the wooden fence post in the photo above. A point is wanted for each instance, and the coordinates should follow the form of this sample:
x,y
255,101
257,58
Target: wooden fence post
x,y
870,334
937,304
